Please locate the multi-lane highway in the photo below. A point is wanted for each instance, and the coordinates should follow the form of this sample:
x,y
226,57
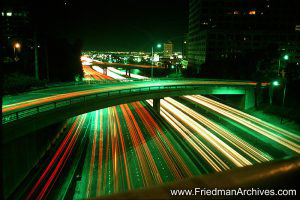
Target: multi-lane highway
x,y
130,146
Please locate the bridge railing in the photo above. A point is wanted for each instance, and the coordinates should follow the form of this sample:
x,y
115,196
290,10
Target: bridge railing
x,y
29,111
88,82
11,116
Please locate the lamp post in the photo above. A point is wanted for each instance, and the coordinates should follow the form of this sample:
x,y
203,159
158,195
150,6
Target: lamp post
x,y
285,57
158,46
17,46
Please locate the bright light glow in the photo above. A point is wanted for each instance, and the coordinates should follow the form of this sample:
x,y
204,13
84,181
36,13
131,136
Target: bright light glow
x,y
109,72
156,58
180,56
86,63
276,83
124,73
286,57
2,13
236,12
252,12
9,14
86,58
158,45
17,45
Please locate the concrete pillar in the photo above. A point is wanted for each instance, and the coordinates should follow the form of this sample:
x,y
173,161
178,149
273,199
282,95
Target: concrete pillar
x,y
156,105
249,98
104,70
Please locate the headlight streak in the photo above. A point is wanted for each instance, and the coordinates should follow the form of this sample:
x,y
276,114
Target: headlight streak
x,y
248,149
225,149
54,168
166,150
283,141
252,119
109,73
214,160
123,73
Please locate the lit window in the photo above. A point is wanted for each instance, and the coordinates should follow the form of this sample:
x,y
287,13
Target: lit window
x,y
252,12
9,14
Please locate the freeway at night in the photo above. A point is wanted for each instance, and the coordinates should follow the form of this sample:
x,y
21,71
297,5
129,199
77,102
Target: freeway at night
x,y
130,146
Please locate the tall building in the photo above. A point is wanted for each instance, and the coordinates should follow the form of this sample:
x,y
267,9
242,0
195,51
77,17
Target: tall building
x,y
224,28
168,49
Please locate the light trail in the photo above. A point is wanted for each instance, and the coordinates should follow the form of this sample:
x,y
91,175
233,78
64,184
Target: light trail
x,y
124,73
252,119
281,140
54,168
109,73
248,149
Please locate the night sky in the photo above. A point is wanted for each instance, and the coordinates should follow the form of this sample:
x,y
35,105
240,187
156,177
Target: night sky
x,y
116,25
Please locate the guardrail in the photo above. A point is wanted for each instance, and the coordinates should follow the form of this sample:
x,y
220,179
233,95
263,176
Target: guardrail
x,y
87,82
13,116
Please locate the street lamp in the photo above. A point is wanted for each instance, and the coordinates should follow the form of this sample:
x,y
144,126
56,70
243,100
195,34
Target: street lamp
x,y
276,83
17,46
285,57
158,46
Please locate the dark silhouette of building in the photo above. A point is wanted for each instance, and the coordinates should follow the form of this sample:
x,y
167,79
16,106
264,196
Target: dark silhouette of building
x,y
17,32
224,29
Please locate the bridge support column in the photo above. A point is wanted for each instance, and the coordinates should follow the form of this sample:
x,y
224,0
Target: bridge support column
x,y
105,71
249,98
156,105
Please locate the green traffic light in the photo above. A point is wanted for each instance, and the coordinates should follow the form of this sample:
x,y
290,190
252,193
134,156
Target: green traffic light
x,y
158,45
286,57
276,83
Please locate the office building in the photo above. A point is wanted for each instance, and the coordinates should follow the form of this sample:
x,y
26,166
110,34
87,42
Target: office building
x,y
219,29
168,49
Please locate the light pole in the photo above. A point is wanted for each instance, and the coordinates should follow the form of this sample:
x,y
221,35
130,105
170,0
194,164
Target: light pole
x,y
17,46
158,46
285,57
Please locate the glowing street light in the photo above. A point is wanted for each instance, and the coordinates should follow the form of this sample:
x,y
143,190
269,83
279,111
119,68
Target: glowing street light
x,y
285,57
276,83
17,46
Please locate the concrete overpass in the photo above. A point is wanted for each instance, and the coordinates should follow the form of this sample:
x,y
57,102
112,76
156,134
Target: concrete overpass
x,y
30,115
